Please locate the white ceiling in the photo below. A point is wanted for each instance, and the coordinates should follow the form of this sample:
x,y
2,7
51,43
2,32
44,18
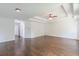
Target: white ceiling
x,y
30,10
76,9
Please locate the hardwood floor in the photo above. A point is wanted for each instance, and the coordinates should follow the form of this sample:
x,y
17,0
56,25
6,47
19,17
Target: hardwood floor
x,y
40,46
49,46
7,48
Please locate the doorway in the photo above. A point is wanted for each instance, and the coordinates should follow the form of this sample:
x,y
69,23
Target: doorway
x,y
19,28
19,37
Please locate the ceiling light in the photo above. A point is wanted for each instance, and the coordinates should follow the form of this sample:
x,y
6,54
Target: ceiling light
x,y
18,10
51,16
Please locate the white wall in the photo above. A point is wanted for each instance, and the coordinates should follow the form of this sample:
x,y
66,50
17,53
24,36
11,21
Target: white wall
x,y
77,19
6,29
27,29
37,29
33,29
65,27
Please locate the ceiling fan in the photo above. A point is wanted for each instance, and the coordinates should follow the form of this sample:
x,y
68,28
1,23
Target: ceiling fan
x,y
51,16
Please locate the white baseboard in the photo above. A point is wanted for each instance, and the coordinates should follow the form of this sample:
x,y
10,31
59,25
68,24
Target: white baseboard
x,y
6,41
74,38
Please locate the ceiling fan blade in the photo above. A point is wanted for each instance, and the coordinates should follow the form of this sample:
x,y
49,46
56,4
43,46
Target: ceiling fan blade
x,y
54,16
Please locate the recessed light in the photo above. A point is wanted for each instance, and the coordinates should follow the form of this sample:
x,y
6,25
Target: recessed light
x,y
18,10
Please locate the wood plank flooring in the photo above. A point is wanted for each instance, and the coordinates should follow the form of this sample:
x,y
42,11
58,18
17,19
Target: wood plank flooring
x,y
7,48
49,46
40,46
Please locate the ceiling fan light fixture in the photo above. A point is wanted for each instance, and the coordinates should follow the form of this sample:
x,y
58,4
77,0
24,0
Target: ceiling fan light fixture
x,y
50,18
18,10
